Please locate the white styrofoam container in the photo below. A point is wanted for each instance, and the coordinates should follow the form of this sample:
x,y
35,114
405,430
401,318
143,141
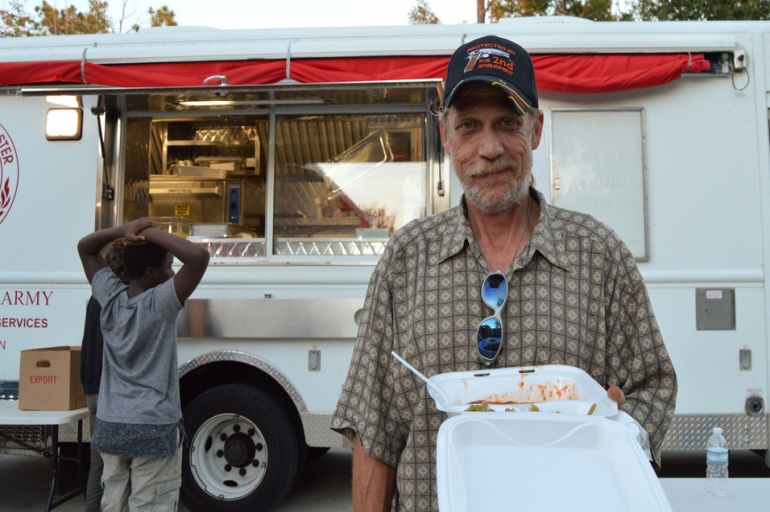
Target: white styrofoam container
x,y
490,462
553,388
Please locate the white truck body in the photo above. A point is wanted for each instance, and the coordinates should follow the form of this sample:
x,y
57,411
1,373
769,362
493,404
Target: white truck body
x,y
279,314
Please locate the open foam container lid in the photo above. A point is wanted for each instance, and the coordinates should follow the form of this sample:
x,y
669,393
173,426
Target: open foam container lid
x,y
490,462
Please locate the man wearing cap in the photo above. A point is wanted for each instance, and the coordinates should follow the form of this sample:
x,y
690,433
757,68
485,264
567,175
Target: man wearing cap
x,y
574,293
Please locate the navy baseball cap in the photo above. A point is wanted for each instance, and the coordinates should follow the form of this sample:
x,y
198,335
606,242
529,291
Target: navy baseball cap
x,y
498,62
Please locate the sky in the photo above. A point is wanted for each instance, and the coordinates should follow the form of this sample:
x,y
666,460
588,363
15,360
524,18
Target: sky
x,y
242,14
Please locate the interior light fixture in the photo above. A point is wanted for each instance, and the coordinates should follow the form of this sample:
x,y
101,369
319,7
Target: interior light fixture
x,y
64,124
219,103
67,101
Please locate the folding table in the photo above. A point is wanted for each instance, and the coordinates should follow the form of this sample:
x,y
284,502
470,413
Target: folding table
x,y
10,414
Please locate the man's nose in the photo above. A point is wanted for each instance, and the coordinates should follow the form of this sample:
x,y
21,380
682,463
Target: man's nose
x,y
490,145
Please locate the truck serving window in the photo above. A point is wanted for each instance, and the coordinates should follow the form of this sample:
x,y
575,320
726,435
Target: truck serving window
x,y
345,183
202,178
275,181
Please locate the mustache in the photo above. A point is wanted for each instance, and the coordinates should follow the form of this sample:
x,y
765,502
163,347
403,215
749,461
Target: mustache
x,y
487,168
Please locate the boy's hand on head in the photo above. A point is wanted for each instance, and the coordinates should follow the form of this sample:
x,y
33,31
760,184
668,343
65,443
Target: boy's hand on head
x,y
132,229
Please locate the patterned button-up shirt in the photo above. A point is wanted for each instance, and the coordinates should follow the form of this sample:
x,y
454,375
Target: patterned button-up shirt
x,y
575,297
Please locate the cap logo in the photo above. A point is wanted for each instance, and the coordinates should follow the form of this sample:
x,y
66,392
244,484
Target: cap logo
x,y
489,58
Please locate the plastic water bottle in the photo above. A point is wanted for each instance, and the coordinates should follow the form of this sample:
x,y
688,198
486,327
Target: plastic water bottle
x,y
716,461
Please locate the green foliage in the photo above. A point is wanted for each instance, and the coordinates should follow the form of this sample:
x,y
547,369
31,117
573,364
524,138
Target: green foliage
x,y
71,21
161,17
597,10
15,22
664,10
45,19
646,10
422,14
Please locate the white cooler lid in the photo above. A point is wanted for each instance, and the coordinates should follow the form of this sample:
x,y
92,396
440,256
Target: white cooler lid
x,y
492,461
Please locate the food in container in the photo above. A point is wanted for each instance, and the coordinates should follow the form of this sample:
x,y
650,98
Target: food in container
x,y
552,388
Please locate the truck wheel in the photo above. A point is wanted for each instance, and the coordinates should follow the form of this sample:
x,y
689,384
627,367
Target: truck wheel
x,y
315,452
243,451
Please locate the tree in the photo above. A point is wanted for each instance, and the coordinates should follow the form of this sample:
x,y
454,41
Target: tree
x,y
15,22
597,10
161,17
422,14
71,21
483,7
702,10
47,20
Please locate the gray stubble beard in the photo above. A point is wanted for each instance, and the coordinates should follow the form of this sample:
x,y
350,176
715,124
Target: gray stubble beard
x,y
513,196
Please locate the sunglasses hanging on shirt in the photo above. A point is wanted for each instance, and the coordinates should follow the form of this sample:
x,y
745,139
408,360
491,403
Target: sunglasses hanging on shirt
x,y
489,335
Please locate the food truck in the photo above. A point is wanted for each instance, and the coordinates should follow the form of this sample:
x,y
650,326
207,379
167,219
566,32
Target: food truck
x,y
293,155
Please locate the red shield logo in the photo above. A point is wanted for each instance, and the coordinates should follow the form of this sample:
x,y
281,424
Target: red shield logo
x,y
9,173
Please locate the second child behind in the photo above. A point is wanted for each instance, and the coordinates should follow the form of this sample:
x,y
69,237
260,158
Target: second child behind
x,y
138,424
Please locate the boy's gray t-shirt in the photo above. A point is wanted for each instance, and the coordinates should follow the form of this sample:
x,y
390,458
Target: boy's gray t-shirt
x,y
140,382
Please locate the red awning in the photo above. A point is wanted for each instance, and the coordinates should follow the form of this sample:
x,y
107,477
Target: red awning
x,y
609,73
559,73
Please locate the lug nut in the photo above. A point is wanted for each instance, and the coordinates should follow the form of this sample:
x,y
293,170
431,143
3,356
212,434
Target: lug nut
x,y
259,446
255,463
252,432
236,428
242,472
220,453
223,437
228,467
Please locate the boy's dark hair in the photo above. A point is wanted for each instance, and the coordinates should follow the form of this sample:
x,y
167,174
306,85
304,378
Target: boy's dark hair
x,y
139,258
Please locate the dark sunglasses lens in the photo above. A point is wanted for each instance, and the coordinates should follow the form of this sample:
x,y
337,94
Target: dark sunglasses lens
x,y
495,290
489,333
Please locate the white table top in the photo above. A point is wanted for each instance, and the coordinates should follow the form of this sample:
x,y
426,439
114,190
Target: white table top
x,y
743,495
10,414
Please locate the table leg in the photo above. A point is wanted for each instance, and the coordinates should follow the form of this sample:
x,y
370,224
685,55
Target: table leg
x,y
79,461
55,461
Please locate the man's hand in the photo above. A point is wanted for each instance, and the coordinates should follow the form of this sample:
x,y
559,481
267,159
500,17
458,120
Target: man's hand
x,y
616,395
132,229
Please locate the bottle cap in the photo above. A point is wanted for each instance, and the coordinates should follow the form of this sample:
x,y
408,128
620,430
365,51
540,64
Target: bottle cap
x,y
717,431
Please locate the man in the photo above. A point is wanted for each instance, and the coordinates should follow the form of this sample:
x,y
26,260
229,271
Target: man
x,y
575,295
138,418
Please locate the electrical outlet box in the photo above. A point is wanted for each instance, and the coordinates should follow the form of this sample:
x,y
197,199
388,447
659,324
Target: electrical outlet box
x,y
739,60
715,309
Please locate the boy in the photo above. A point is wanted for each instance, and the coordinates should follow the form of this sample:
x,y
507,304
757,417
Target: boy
x,y
139,413
91,368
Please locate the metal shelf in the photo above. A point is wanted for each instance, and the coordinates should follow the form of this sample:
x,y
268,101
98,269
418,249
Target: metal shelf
x,y
314,221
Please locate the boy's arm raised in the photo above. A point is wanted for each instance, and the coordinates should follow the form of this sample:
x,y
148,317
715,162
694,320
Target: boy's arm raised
x,y
195,259
90,246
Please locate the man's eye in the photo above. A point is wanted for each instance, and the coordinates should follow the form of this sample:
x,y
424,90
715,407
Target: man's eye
x,y
510,123
467,125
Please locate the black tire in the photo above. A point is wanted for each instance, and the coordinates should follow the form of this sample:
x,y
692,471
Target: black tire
x,y
243,451
315,452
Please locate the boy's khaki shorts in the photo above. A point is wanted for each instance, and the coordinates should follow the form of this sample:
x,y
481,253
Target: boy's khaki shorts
x,y
141,483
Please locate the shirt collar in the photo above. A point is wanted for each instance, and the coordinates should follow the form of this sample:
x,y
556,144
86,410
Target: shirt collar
x,y
547,237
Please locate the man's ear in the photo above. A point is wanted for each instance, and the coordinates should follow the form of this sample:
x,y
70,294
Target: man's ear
x,y
537,129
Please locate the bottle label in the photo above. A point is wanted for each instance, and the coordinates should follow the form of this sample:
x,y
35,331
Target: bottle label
x,y
716,455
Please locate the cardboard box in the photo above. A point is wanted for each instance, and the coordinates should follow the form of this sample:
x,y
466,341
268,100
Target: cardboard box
x,y
49,379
